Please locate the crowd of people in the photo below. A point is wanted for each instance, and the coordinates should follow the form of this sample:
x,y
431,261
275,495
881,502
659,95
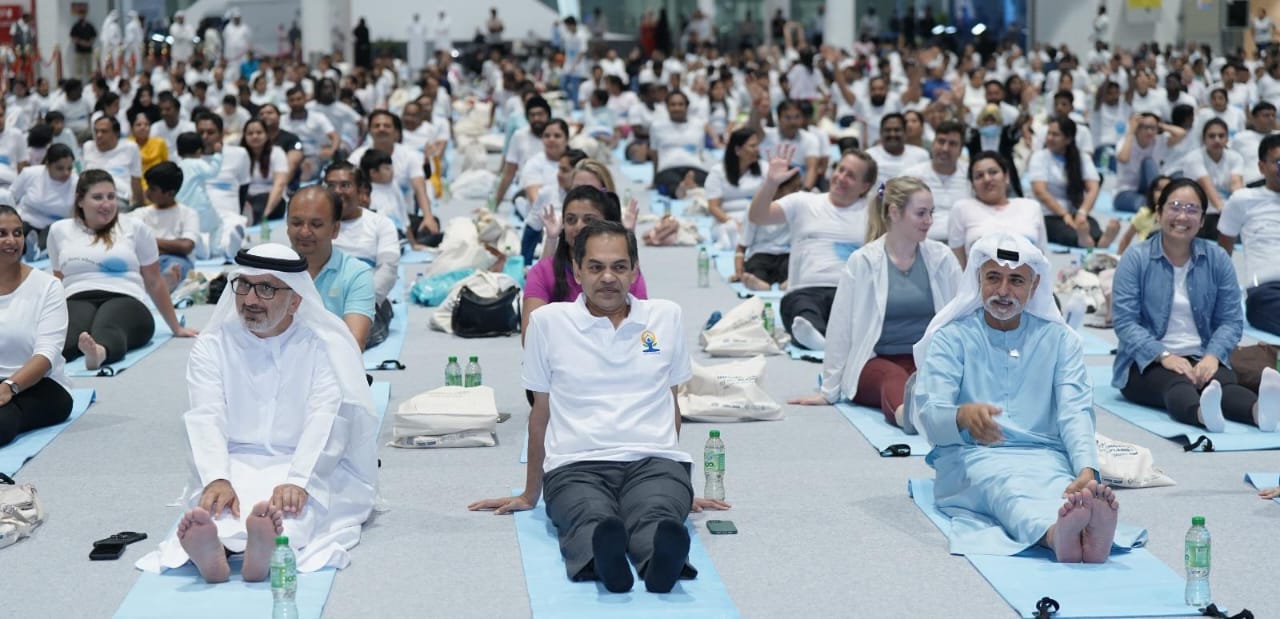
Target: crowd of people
x,y
906,199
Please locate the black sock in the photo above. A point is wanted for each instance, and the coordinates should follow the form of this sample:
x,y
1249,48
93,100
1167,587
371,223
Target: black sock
x,y
670,551
609,547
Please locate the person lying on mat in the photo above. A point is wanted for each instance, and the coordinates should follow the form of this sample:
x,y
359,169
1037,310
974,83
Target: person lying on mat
x,y
826,228
109,264
1175,303
1253,216
1003,396
604,443
346,283
889,291
35,392
282,420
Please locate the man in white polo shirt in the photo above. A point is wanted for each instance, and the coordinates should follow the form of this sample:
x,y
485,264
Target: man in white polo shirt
x,y
893,154
1252,215
604,444
943,175
826,228
319,138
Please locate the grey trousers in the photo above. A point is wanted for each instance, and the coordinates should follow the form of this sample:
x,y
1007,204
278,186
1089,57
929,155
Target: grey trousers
x,y
642,493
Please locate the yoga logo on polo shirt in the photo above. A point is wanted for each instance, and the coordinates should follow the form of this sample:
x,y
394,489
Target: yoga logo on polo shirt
x,y
650,342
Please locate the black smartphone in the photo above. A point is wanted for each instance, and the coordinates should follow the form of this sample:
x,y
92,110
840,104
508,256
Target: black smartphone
x,y
722,527
123,537
107,552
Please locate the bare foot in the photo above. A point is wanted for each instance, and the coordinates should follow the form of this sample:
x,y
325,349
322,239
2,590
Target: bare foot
x,y
1110,233
754,283
264,524
1097,537
199,537
1084,236
94,353
1064,536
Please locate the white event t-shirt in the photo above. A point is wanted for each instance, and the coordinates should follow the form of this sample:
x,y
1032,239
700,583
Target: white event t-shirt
x,y
1253,215
88,264
823,236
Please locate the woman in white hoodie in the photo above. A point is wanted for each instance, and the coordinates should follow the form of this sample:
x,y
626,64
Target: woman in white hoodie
x,y
888,293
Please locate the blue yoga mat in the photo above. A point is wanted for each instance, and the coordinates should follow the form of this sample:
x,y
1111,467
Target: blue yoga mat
x,y
1262,481
724,266
553,596
386,356
28,444
637,172
1129,584
1260,335
163,334
870,422
1236,437
804,354
416,256
182,592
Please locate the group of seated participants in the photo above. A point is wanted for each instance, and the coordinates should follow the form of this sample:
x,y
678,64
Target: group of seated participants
x,y
905,202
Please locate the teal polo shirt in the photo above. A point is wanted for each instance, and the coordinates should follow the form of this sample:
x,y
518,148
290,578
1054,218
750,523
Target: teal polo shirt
x,y
345,285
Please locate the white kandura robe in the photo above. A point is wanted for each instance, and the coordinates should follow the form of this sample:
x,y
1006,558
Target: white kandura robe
x,y
267,412
1003,498
417,47
184,41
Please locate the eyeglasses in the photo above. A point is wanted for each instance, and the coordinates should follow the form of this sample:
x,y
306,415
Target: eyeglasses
x,y
1185,208
265,291
339,184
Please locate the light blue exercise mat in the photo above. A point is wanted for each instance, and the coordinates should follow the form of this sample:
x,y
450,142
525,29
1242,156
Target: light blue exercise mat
x,y
417,256
1093,344
637,172
804,354
724,266
386,356
162,334
1236,437
870,422
182,592
28,444
1129,584
553,596
1262,481
1259,334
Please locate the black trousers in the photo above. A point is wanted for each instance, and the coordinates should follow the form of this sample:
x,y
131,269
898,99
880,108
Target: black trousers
x,y
642,493
772,268
1062,233
1158,387
667,180
42,234
41,405
812,304
120,323
1262,307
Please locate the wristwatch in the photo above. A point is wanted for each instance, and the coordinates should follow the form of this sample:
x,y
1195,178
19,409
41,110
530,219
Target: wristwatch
x,y
13,387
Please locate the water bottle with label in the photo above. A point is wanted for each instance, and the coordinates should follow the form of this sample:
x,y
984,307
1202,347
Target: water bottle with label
x,y
284,581
453,373
264,231
704,268
471,377
1197,562
767,317
713,464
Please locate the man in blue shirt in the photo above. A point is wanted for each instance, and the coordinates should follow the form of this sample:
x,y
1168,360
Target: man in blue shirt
x,y
345,283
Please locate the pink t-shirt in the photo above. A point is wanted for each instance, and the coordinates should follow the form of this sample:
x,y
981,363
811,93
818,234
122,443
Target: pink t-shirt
x,y
540,281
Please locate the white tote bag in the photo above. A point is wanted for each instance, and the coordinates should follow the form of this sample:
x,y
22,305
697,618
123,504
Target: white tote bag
x,y
740,333
1125,465
447,417
728,392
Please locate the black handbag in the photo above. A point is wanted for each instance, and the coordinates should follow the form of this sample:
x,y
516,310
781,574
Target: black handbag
x,y
477,316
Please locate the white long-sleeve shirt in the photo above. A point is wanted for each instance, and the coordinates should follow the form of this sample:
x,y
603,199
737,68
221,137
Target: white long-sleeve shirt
x,y
33,321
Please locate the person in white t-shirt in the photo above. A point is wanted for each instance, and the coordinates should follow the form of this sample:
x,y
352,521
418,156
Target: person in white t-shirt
x,y
893,154
1262,123
1253,216
524,143
991,209
826,229
731,184
369,237
873,108
1141,154
677,145
122,160
176,227
108,265
319,138
1220,108
1218,170
385,131
1066,184
604,448
540,172
576,63
13,150
44,193
1263,32
943,176
171,124
805,150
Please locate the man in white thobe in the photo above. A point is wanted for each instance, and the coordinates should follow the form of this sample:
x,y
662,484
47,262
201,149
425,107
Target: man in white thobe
x,y
109,41
417,45
236,40
184,38
442,34
281,419
134,38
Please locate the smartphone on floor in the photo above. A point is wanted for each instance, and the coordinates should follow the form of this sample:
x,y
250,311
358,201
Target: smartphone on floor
x,y
722,527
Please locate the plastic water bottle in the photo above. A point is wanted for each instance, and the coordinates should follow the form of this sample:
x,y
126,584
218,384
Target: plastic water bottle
x,y
1197,561
1073,313
472,376
713,464
704,268
264,230
767,317
453,373
284,581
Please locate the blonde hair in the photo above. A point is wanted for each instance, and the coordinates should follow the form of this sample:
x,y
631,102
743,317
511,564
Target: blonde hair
x,y
598,169
891,194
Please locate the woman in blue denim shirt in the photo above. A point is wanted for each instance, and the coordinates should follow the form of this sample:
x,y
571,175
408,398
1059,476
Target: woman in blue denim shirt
x,y
1177,313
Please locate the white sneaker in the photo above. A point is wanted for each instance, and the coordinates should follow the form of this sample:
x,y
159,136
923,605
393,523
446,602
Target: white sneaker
x,y
807,335
235,240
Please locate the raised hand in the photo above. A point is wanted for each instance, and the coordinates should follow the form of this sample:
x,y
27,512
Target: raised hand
x,y
780,168
551,222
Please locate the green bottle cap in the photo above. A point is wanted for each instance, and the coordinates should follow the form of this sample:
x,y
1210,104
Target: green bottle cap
x,y
715,434
282,540
453,359
1197,521
475,359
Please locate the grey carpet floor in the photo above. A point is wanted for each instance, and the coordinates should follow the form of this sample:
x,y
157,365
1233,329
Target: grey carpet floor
x,y
826,528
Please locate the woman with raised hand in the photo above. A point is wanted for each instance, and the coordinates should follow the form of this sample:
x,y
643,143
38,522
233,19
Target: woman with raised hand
x,y
889,291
